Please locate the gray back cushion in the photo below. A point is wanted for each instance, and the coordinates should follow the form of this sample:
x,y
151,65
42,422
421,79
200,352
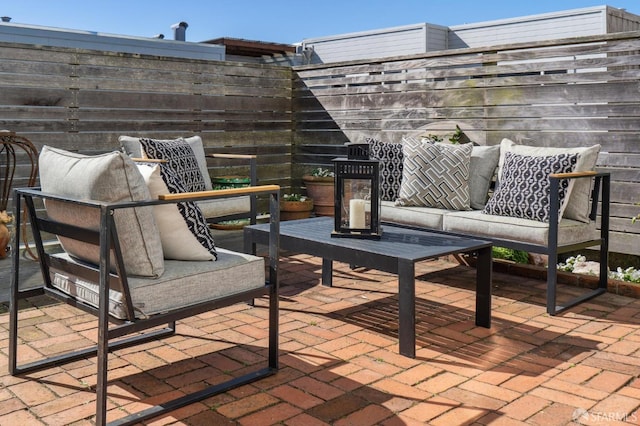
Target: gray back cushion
x,y
111,177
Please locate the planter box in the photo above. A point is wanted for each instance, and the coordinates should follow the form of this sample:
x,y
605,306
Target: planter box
x,y
622,288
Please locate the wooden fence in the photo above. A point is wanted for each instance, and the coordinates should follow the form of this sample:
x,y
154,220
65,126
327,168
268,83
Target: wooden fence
x,y
83,100
572,92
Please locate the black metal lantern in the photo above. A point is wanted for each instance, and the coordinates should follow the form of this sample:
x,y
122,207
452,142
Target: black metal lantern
x,y
357,194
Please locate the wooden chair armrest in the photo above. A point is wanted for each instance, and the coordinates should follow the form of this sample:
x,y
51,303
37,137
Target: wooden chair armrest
x,y
238,156
573,175
220,193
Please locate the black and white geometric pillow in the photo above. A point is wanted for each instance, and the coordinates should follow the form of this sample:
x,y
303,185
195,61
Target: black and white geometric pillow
x,y
390,157
524,186
180,157
189,210
435,175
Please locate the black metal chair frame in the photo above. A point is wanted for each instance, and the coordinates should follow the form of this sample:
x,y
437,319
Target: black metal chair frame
x,y
110,328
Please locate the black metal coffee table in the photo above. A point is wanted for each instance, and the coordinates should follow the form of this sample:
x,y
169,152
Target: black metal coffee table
x,y
396,252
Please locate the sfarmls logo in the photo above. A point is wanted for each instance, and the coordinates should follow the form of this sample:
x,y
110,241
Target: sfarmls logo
x,y
582,416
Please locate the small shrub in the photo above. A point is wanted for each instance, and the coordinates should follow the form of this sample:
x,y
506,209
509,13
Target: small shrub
x,y
630,274
294,197
568,265
518,256
455,137
322,172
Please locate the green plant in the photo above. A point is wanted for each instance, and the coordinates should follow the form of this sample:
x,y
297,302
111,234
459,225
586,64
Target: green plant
x,y
517,256
322,172
636,217
457,135
569,264
294,197
455,138
629,274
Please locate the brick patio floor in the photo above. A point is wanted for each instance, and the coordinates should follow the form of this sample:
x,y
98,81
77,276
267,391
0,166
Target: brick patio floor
x,y
339,361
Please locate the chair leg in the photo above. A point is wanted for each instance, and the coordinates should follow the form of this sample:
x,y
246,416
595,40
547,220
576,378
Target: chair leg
x,y
552,281
248,378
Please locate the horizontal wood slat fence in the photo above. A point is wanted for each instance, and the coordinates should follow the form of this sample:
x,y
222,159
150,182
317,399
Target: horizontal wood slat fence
x,y
83,100
565,93
572,92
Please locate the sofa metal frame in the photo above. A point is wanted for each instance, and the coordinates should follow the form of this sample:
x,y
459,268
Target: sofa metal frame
x,y
111,328
601,187
601,191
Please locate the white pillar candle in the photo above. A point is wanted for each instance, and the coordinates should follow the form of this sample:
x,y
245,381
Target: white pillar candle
x,y
356,214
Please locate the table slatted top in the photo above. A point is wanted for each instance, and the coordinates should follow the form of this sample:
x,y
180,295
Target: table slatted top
x,y
396,241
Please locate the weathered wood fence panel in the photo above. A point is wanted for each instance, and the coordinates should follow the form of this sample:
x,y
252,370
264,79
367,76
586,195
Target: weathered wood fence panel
x,y
83,100
571,92
574,92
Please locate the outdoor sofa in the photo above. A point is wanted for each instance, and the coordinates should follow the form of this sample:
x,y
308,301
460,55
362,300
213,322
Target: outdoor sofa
x,y
450,188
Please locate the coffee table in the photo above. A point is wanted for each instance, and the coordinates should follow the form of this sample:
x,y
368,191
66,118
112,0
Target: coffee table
x,y
396,252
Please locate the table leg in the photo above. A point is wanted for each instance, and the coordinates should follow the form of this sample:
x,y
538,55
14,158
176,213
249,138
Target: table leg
x,y
407,308
327,272
483,288
249,245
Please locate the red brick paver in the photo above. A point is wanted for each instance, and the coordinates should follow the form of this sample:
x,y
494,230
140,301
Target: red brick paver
x,y
339,362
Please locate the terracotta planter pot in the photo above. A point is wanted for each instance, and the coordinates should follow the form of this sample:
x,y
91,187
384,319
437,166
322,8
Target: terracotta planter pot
x,y
292,210
5,234
321,190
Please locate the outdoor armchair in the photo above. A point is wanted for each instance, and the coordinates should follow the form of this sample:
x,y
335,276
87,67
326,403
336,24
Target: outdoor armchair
x,y
112,266
232,208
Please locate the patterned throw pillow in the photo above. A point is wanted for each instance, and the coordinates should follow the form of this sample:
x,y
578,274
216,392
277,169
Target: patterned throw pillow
x,y
390,157
580,200
180,157
183,230
524,186
435,175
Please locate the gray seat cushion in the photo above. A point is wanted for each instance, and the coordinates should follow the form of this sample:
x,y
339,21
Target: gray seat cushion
x,y
427,217
183,283
479,224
